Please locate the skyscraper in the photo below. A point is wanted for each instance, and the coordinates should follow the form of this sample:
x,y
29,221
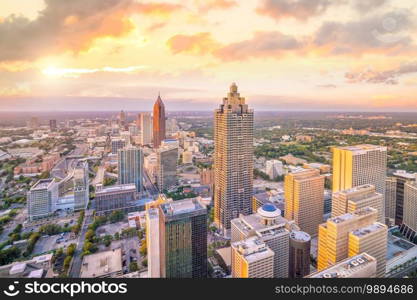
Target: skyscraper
x,y
159,129
409,226
130,166
233,159
81,185
299,262
145,120
252,258
395,194
371,239
358,165
117,144
333,242
304,199
152,242
270,228
166,161
52,125
122,118
358,197
183,239
41,197
274,168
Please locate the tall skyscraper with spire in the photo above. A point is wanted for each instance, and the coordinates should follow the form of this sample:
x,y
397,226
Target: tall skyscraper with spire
x,y
233,159
158,122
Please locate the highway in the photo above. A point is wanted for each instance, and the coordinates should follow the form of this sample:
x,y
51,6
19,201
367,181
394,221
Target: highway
x,y
65,166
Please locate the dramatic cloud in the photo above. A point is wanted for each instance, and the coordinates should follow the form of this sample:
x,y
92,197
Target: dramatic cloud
x,y
297,9
389,77
390,32
70,26
201,43
262,44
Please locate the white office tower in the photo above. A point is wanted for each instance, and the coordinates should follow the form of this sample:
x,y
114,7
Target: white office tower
x,y
81,186
270,227
145,121
152,243
41,198
359,266
274,168
130,166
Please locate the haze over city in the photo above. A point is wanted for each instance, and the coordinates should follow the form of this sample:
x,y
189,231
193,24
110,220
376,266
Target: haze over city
x,y
295,55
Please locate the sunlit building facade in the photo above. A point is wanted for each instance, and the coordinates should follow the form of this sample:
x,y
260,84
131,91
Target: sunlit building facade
x,y
233,159
304,199
362,196
159,130
333,239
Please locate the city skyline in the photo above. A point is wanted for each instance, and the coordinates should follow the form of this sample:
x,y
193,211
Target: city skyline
x,y
300,55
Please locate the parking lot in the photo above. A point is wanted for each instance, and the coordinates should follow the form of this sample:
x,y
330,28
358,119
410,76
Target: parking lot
x,y
111,229
48,243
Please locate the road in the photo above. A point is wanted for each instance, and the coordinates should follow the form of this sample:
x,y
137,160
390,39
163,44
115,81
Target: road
x,y
149,186
64,166
77,260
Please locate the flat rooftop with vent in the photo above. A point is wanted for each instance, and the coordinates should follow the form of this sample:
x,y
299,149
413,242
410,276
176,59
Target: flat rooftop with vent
x,y
180,207
252,249
358,149
361,232
103,264
359,266
42,184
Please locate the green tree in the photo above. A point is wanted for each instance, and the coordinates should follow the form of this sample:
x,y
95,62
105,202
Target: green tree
x,y
71,250
67,262
133,266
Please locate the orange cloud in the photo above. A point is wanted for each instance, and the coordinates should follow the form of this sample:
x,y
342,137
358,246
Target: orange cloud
x,y
201,43
157,9
72,26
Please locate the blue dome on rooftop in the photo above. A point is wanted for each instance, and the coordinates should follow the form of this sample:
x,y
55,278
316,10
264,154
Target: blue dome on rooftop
x,y
269,207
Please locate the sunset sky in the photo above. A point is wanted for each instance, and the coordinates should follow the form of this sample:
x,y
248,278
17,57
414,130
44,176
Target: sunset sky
x,y
283,54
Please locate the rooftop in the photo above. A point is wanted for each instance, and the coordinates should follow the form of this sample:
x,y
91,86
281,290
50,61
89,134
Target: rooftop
x,y
405,174
346,268
252,249
358,149
182,207
117,188
349,216
102,264
300,236
42,184
361,232
360,188
254,222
